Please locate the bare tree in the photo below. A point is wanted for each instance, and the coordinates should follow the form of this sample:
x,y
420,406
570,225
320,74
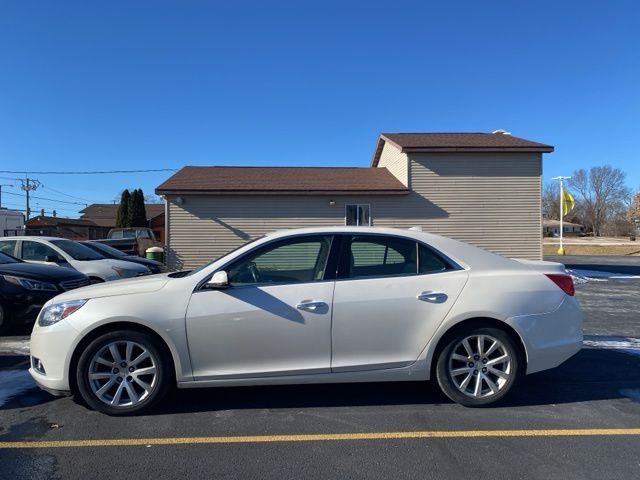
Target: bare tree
x,y
551,200
601,192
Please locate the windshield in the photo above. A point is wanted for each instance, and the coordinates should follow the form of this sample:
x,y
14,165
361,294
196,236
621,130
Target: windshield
x,y
4,259
76,250
107,249
202,267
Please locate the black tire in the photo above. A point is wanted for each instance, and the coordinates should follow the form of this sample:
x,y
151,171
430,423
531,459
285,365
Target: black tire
x,y
449,386
161,361
4,321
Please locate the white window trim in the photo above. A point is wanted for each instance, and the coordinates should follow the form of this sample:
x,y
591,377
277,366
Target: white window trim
x,y
357,205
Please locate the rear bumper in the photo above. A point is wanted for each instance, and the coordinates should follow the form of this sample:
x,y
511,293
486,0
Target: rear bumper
x,y
551,338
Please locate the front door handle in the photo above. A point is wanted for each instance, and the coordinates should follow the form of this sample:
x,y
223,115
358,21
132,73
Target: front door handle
x,y
312,306
433,297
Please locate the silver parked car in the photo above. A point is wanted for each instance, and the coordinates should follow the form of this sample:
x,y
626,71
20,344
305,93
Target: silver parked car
x,y
70,254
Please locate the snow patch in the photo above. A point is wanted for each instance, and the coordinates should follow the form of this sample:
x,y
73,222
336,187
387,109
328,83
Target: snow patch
x,y
14,347
591,275
13,383
630,345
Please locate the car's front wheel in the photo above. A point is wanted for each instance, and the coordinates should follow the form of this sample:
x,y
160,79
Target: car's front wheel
x,y
478,367
123,372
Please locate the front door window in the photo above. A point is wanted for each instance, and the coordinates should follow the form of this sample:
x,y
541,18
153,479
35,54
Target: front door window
x,y
291,261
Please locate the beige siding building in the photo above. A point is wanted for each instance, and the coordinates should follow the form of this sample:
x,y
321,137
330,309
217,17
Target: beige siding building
x,y
481,188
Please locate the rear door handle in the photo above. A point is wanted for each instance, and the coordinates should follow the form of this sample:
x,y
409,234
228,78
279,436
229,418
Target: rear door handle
x,y
312,306
432,297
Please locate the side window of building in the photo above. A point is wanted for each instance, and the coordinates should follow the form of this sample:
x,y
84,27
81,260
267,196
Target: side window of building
x,y
8,247
380,256
289,261
358,215
36,251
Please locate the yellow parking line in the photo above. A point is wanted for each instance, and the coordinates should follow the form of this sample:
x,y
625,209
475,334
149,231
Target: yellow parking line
x,y
322,437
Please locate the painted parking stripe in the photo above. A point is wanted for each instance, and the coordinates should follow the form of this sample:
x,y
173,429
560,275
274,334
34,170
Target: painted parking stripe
x,y
132,442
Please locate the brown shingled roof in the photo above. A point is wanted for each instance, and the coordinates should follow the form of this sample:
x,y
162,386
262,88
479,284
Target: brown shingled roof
x,y
458,142
45,220
104,214
282,180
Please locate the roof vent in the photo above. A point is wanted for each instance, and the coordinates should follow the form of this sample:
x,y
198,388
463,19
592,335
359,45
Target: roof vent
x,y
501,131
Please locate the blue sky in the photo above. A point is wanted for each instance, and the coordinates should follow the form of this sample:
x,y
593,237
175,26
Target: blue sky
x,y
158,84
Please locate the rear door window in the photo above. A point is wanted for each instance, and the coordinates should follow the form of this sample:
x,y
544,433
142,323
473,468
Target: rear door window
x,y
36,251
379,256
8,247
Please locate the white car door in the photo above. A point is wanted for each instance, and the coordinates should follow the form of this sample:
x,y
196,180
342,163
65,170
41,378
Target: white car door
x,y
390,296
274,318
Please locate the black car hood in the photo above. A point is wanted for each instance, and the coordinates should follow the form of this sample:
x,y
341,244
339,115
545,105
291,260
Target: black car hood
x,y
49,273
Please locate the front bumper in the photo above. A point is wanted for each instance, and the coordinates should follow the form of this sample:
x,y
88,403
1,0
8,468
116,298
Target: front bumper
x,y
551,338
53,345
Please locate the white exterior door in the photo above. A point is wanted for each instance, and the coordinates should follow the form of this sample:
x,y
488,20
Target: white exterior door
x,y
273,319
390,297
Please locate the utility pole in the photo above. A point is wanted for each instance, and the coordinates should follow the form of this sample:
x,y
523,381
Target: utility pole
x,y
562,179
29,184
3,185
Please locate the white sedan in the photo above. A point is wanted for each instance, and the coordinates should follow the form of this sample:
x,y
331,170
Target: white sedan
x,y
69,254
338,304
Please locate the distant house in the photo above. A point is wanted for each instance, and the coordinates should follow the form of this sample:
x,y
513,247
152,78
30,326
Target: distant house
x,y
483,188
71,228
104,215
551,228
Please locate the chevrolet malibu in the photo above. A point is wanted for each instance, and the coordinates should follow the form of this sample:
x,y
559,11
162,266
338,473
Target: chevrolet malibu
x,y
341,304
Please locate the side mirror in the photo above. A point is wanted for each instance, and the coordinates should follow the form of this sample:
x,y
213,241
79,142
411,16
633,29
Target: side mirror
x,y
220,279
52,259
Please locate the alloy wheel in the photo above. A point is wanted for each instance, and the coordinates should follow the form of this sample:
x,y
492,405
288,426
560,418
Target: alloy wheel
x,y
123,373
480,366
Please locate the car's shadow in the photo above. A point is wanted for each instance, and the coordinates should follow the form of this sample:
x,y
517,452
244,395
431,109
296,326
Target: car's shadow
x,y
592,374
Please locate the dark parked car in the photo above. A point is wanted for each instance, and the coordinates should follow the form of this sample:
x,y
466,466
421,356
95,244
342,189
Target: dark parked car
x,y
25,287
111,252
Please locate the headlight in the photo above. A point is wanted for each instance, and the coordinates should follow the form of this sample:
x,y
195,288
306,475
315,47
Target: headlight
x,y
56,312
123,272
30,284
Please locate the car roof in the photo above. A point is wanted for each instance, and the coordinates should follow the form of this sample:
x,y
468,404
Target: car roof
x,y
33,237
356,230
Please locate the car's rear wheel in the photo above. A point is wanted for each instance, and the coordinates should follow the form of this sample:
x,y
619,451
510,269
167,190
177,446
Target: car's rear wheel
x,y
478,367
123,372
4,321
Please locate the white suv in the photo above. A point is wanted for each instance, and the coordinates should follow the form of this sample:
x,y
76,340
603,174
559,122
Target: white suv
x,y
70,254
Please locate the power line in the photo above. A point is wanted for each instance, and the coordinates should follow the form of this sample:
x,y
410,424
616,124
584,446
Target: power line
x,y
67,195
48,199
106,172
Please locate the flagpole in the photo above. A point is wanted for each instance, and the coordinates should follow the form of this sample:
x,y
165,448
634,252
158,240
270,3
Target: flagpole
x,y
561,249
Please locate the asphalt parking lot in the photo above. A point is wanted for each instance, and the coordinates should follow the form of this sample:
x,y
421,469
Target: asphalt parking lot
x,y
581,420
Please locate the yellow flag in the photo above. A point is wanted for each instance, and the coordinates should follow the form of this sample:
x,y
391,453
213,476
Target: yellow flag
x,y
567,202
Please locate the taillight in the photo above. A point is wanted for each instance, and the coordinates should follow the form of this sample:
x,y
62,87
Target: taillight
x,y
565,282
